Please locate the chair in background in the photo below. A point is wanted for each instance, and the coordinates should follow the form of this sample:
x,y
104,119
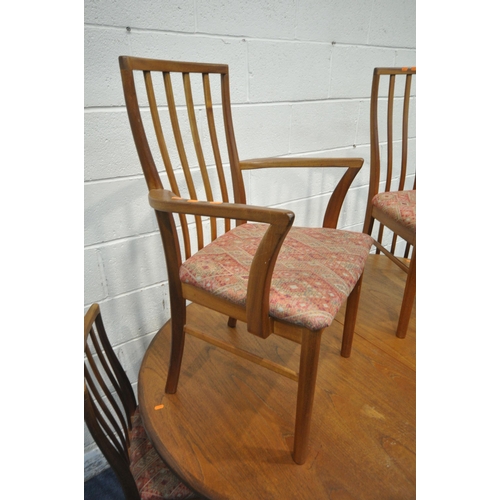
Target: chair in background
x,y
246,262
390,203
113,418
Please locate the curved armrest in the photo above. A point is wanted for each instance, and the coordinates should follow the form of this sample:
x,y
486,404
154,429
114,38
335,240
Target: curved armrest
x,y
337,197
295,162
261,269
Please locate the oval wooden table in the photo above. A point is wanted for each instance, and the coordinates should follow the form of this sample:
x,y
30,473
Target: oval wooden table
x,y
228,430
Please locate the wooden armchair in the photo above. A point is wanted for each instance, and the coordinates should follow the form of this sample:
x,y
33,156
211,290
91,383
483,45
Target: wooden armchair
x,y
256,267
390,203
113,418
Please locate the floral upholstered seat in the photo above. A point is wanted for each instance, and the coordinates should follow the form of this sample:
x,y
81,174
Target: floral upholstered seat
x,y
399,206
304,262
155,481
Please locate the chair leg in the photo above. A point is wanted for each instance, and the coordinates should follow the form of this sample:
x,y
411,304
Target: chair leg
x,y
408,298
309,355
351,313
177,322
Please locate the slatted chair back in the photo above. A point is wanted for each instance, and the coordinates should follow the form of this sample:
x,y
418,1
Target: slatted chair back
x,y
114,421
392,125
392,191
180,117
109,400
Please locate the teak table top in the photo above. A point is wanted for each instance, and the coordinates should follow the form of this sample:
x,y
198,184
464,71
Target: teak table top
x,y
228,431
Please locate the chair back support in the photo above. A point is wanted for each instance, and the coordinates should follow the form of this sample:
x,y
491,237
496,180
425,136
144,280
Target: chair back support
x,y
109,401
391,120
178,114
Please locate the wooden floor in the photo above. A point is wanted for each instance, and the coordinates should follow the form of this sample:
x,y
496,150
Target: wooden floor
x,y
231,422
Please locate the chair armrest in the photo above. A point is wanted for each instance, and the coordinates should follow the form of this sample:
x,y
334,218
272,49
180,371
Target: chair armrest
x,y
337,197
259,282
166,201
295,162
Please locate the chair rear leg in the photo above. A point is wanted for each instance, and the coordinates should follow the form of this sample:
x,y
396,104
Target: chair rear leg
x,y
309,355
408,298
178,321
351,313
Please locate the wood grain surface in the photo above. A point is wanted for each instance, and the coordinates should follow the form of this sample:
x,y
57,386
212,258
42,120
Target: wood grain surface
x,y
228,431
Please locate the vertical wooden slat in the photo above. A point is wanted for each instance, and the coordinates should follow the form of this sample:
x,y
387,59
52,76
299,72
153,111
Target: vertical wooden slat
x,y
215,144
182,152
375,147
140,139
236,176
393,244
96,377
404,151
380,236
153,107
198,148
390,131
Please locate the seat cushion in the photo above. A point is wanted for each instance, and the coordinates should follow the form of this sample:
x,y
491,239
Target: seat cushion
x,y
315,271
155,481
400,206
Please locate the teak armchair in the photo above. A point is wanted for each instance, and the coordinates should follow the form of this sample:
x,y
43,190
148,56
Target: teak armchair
x,y
256,268
113,418
390,203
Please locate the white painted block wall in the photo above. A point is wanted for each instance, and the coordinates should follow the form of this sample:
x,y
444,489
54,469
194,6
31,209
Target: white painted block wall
x,y
300,75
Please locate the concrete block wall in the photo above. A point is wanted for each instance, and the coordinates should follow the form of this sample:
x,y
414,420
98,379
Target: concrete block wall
x,y
300,83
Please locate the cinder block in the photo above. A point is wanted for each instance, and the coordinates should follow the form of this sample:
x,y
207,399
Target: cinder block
x,y
310,211
197,48
323,125
262,130
282,186
131,355
259,18
306,191
352,69
288,71
117,209
109,146
134,264
353,212
362,151
94,285
174,15
334,20
393,23
103,46
137,314
102,82
406,57
94,461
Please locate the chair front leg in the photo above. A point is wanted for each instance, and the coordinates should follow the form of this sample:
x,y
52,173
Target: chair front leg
x,y
351,313
309,355
178,321
408,298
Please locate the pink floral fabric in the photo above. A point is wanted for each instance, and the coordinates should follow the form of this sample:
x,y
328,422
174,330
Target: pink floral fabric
x,y
400,206
315,271
155,481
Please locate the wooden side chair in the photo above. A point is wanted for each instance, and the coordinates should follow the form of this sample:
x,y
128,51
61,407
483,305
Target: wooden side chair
x,y
113,418
389,202
246,262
